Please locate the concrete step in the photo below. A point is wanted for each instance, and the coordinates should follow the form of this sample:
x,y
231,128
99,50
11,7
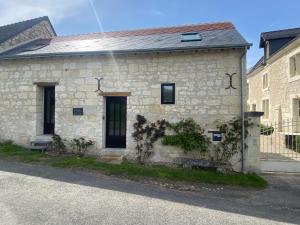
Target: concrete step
x,y
45,137
37,148
113,152
41,143
113,159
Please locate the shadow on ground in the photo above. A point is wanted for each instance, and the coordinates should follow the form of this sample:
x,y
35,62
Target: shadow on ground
x,y
279,202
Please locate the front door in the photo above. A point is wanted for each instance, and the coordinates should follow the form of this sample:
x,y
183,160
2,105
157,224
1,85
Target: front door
x,y
116,122
49,110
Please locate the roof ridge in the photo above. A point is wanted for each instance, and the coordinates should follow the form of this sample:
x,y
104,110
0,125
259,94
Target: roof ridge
x,y
150,28
266,32
24,21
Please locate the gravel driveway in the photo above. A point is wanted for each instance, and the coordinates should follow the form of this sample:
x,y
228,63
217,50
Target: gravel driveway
x,y
32,194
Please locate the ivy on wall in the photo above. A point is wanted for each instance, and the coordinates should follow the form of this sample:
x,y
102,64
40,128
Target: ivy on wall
x,y
145,134
190,137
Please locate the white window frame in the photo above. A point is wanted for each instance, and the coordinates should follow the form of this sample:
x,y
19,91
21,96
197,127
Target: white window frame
x,y
265,81
266,115
294,64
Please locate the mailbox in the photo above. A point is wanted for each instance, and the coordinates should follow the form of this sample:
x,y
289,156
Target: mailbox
x,y
216,135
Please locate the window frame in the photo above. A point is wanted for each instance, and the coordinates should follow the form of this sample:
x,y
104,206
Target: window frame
x,y
197,36
265,81
299,107
162,101
265,116
294,64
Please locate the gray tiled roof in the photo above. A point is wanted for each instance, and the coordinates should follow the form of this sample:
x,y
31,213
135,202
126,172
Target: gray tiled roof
x,y
11,30
159,39
286,33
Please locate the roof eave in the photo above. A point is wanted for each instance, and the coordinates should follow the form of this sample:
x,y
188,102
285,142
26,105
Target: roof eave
x,y
117,52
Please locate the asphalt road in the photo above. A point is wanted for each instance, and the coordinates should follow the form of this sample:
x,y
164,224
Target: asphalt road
x,y
42,195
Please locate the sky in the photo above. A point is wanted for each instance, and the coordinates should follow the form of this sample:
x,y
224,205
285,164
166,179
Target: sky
x,y
87,16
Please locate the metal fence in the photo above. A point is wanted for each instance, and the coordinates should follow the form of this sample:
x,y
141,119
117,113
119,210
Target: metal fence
x,y
280,141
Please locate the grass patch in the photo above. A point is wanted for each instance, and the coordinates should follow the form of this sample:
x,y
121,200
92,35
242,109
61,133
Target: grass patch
x,y
11,151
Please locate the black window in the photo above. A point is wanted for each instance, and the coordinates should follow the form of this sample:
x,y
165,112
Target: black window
x,y
168,93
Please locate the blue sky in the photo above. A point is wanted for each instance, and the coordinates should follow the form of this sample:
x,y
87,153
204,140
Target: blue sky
x,y
77,16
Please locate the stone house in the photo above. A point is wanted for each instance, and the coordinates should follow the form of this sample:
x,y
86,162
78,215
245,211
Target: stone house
x,y
47,82
274,82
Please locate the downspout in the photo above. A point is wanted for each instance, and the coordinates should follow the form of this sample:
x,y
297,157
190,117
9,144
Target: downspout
x,y
242,69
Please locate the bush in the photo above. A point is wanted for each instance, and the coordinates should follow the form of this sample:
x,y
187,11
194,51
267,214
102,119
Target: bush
x,y
296,143
58,144
81,145
189,136
7,142
231,140
145,134
266,130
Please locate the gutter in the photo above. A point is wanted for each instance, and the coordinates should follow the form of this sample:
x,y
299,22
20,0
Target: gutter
x,y
242,72
119,52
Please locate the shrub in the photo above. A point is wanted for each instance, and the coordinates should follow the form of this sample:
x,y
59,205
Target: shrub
x,y
145,134
58,143
189,136
81,145
7,142
296,143
266,130
231,140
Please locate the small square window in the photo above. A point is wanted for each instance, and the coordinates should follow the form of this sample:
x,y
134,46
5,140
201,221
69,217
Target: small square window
x,y
168,93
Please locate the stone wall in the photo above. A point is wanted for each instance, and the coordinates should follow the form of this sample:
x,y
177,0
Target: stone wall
x,y
281,91
200,92
40,30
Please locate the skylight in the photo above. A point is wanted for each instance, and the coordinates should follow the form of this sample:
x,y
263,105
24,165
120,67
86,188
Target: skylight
x,y
191,36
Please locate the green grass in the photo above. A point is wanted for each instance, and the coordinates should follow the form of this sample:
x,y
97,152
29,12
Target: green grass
x,y
131,170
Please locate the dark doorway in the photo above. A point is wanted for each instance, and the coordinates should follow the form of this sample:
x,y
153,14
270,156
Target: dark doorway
x,y
49,110
116,108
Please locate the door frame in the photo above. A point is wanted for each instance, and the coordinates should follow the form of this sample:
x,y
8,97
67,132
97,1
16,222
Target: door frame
x,y
106,128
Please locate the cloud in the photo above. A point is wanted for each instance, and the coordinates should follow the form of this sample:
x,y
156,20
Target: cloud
x,y
156,12
18,10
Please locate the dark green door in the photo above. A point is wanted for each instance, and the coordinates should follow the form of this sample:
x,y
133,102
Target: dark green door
x,y
116,122
49,110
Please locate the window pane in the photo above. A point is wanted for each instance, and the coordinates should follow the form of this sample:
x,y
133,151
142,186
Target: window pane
x,y
168,93
299,106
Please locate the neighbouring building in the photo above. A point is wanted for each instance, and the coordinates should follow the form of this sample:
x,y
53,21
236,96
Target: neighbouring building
x,y
274,82
48,85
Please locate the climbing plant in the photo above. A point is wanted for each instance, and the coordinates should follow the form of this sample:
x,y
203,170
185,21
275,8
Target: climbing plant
x,y
58,144
189,136
231,138
145,134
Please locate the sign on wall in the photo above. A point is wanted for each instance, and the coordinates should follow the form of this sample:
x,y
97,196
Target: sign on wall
x,y
77,111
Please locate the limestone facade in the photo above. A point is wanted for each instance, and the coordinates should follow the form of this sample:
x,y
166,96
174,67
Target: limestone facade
x,y
281,89
200,93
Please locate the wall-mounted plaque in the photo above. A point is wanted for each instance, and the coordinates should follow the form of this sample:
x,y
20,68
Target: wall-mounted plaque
x,y
77,111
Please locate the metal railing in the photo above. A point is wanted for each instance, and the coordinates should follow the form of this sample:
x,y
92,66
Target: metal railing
x,y
280,141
